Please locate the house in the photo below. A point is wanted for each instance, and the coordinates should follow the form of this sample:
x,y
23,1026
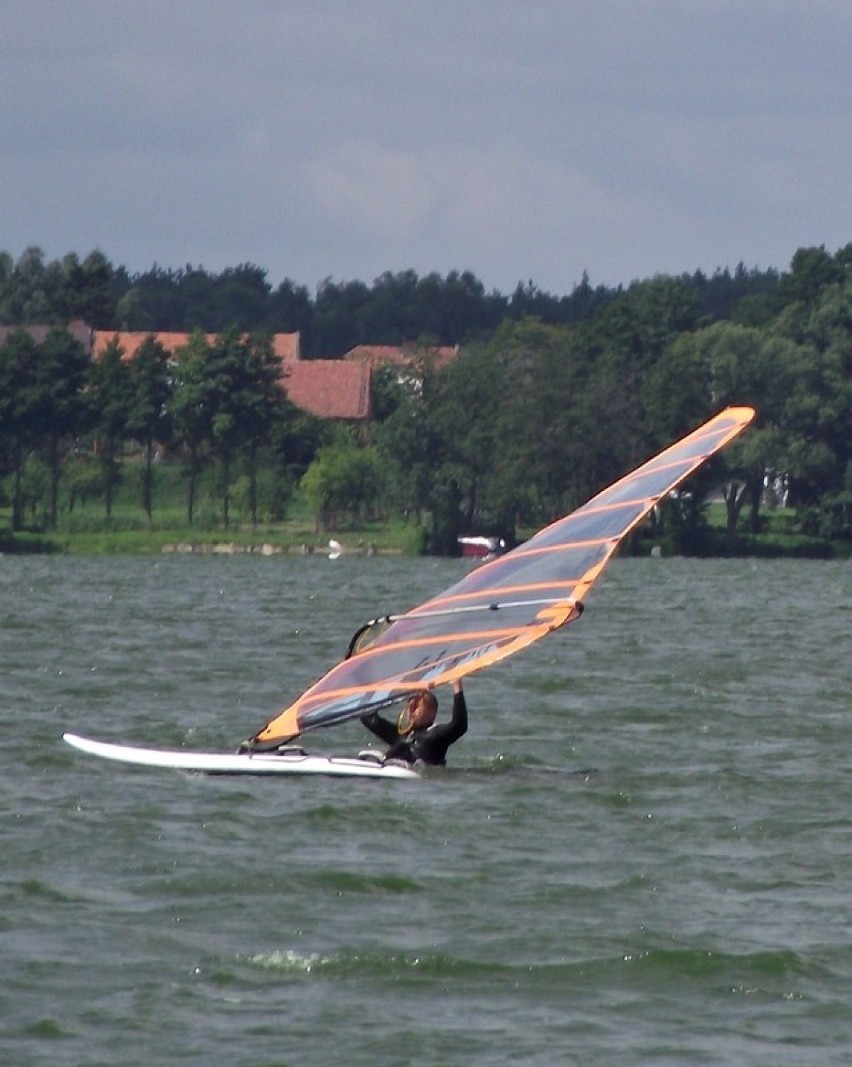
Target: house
x,y
78,330
285,345
327,388
330,388
404,355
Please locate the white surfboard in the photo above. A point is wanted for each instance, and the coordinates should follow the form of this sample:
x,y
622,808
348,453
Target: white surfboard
x,y
269,763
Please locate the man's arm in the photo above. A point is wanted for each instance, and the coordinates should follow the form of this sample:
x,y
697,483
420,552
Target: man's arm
x,y
384,730
457,726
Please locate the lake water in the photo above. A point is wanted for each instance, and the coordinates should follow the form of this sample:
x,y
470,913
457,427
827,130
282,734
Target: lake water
x,y
641,853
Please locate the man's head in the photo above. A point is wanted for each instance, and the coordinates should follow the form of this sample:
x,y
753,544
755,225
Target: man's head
x,y
421,709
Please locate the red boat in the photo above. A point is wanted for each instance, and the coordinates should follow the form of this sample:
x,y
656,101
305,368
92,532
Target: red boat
x,y
481,547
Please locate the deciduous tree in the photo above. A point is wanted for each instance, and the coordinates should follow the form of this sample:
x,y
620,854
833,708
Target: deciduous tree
x,y
149,415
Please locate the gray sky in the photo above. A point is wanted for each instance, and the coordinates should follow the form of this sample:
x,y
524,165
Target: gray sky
x,y
519,139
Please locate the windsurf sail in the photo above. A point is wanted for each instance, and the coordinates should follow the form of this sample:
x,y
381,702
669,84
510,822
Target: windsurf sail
x,y
504,605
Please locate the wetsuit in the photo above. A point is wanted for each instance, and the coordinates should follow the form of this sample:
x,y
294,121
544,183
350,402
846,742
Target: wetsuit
x,y
427,743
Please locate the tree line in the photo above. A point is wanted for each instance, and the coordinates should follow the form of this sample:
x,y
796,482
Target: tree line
x,y
396,307
532,421
214,404
549,399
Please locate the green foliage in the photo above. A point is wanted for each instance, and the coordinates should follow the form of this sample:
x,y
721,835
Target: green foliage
x,y
63,366
18,411
83,481
32,291
389,391
550,399
227,404
42,408
344,484
267,501
109,396
35,492
149,416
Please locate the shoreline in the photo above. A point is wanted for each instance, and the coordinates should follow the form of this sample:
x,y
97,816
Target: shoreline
x,y
134,546
233,548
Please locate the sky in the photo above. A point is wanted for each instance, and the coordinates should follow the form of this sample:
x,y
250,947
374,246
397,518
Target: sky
x,y
521,140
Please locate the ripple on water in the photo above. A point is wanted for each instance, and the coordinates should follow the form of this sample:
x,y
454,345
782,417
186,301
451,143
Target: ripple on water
x,y
640,852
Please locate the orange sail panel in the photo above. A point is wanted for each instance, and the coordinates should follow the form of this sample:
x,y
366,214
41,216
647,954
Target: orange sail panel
x,y
505,605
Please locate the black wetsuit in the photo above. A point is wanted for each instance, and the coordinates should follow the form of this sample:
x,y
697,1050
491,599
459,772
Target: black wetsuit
x,y
427,743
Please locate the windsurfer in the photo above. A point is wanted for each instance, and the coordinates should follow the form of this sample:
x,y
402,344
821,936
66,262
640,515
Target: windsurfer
x,y
415,736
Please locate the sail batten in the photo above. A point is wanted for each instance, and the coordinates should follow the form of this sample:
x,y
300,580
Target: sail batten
x,y
506,604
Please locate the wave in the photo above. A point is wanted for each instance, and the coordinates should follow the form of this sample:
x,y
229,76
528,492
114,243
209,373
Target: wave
x,y
773,972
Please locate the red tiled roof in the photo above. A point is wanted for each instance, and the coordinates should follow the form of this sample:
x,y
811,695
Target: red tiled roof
x,y
285,345
330,388
78,330
131,340
376,355
401,355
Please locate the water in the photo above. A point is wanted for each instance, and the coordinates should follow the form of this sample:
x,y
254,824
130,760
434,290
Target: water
x,y
640,854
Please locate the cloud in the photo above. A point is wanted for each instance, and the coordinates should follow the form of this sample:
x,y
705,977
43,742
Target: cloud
x,y
519,141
